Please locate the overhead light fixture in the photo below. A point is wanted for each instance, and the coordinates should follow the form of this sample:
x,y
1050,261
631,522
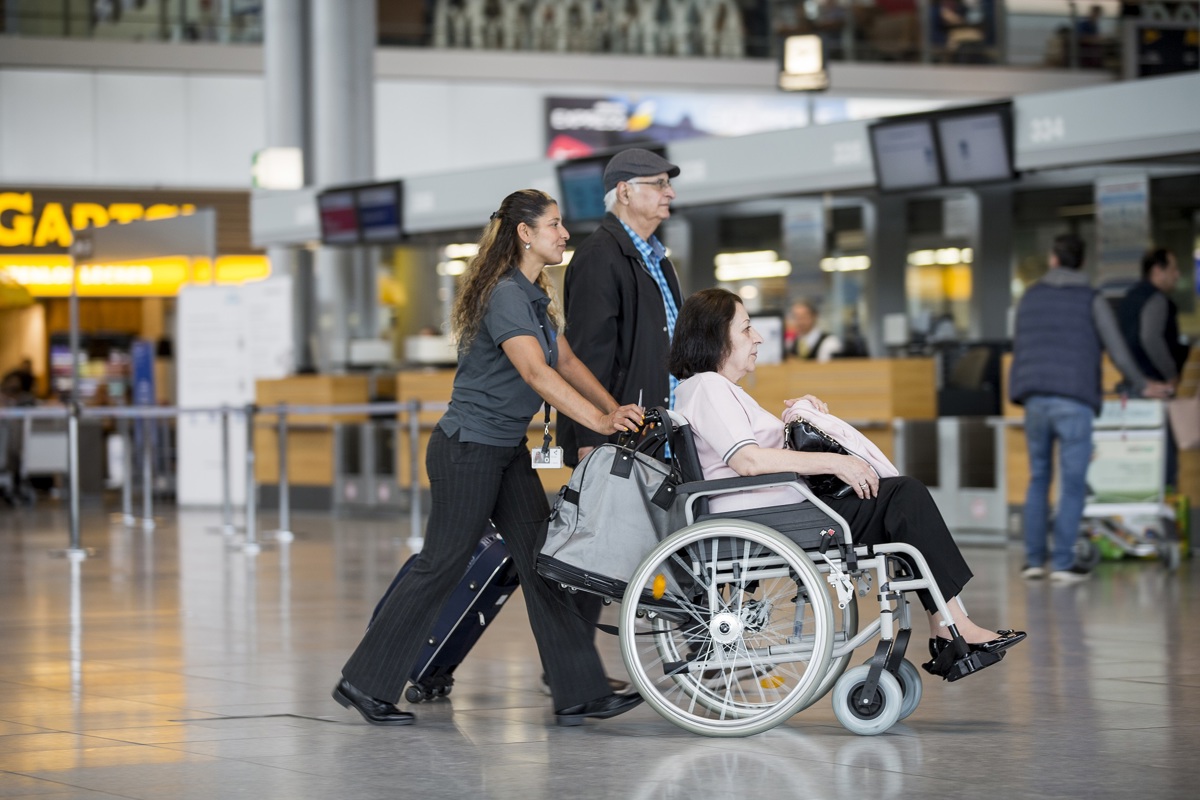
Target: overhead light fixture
x,y
751,265
464,250
945,256
803,64
845,263
277,168
454,267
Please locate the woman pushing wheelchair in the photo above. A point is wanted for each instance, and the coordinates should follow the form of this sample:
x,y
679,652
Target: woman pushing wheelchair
x,y
714,347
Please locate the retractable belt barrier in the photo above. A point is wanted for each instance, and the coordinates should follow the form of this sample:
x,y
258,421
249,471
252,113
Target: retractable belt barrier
x,y
126,416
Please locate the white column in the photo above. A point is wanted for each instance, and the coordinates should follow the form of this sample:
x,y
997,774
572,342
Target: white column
x,y
343,34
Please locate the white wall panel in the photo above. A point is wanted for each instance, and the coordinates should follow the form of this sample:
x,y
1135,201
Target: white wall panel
x,y
47,127
226,124
491,125
410,127
141,129
426,127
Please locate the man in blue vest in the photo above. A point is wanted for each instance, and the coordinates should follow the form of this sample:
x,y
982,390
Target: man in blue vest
x,y
1149,323
1063,327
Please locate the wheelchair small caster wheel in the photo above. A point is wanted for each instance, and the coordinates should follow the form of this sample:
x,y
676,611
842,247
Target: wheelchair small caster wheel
x,y
867,716
414,695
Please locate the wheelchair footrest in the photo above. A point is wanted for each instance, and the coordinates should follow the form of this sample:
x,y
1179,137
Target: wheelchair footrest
x,y
949,668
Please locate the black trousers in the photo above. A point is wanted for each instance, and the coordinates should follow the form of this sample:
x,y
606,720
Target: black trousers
x,y
903,511
471,483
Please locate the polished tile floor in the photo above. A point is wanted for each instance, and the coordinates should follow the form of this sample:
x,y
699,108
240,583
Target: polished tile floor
x,y
171,664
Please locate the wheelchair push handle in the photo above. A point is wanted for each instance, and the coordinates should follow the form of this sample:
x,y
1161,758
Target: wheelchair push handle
x,y
651,435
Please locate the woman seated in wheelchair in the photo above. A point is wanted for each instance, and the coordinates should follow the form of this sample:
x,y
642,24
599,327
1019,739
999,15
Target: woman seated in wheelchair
x,y
714,347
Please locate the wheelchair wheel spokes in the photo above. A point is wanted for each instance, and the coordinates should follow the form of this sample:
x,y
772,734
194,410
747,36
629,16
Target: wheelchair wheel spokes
x,y
749,656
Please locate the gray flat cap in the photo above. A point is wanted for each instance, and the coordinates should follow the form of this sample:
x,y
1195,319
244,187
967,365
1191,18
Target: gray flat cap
x,y
635,163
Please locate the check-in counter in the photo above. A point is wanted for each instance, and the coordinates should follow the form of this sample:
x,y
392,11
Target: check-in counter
x,y
871,393
310,450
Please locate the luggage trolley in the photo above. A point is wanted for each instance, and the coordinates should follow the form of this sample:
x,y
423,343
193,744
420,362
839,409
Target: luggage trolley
x,y
1127,513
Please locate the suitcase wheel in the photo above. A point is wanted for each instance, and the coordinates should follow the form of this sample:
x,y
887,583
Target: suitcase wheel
x,y
414,695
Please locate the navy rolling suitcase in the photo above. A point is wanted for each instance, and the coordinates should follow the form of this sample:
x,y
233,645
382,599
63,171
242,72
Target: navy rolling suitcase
x,y
489,581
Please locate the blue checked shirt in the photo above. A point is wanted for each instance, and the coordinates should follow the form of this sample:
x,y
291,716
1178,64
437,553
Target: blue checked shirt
x,y
652,254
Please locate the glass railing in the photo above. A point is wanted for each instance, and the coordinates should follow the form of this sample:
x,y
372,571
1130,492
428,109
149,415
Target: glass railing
x,y
1027,33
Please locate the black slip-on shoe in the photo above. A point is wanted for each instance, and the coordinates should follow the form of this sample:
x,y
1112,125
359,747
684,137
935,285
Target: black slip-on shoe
x,y
376,712
1004,640
601,708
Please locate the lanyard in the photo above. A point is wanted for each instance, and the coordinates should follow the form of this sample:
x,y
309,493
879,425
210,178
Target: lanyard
x,y
546,430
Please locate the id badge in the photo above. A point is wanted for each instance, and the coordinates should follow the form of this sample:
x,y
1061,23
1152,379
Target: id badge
x,y
547,459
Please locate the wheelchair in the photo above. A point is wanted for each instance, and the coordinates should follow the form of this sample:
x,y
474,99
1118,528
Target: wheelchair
x,y
738,621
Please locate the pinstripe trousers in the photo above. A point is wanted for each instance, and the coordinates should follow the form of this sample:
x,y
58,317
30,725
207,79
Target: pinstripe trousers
x,y
471,483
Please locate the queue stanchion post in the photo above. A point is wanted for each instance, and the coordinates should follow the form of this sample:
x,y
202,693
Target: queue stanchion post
x,y
251,545
416,539
126,516
227,527
284,534
147,475
74,551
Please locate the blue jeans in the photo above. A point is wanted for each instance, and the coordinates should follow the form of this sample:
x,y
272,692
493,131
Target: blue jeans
x,y
1048,417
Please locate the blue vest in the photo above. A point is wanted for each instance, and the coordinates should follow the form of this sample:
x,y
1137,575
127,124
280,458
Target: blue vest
x,y
1129,316
1057,349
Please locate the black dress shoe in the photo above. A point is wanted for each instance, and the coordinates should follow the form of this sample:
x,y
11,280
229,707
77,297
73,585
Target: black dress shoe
x,y
376,712
1004,640
602,708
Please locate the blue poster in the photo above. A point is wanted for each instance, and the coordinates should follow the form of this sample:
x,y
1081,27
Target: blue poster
x,y
142,355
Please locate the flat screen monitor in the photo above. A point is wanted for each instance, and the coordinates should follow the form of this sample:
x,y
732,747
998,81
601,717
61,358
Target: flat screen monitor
x,y
338,210
379,212
976,146
905,154
581,185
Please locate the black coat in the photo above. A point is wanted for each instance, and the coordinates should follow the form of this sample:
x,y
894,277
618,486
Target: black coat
x,y
616,324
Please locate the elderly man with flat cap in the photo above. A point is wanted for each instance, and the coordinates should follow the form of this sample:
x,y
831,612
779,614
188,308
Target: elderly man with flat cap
x,y
621,297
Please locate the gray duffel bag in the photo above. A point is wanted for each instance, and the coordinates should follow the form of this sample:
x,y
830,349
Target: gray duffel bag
x,y
619,504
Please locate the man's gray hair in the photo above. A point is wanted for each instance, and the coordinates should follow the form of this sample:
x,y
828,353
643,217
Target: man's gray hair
x,y
610,199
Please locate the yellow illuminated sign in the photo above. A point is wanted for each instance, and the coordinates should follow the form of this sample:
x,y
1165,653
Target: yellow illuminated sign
x,y
53,227
50,276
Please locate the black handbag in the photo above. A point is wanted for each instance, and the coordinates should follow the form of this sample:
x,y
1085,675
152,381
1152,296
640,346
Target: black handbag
x,y
802,435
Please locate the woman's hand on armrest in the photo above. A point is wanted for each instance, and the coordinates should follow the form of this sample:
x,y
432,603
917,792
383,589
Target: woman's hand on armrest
x,y
755,460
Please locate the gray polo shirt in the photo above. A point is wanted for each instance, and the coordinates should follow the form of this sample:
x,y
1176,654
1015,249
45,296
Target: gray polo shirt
x,y
491,403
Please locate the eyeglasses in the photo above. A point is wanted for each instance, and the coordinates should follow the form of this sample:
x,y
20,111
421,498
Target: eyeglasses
x,y
662,184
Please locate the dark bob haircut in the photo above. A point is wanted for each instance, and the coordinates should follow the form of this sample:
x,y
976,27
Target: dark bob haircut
x,y
701,341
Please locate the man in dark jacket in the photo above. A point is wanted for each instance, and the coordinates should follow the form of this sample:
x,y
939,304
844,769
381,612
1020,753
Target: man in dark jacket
x,y
621,295
1063,326
621,298
1149,323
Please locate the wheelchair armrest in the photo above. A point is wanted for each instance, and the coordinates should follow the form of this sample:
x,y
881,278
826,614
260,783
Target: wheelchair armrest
x,y
738,484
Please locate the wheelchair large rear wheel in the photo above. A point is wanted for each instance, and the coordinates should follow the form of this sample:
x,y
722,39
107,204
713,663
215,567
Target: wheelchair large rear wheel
x,y
712,633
